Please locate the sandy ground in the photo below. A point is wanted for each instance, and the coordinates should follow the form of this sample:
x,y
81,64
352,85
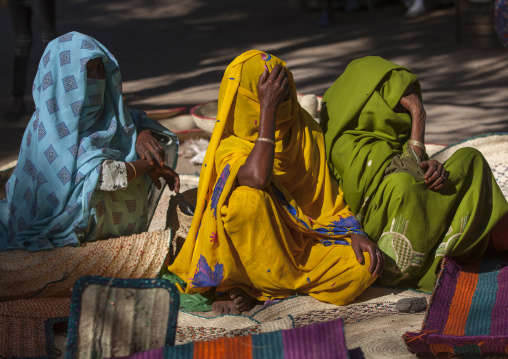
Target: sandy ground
x,y
173,53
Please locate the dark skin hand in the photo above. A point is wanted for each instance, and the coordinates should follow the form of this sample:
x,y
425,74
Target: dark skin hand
x,y
362,244
171,177
154,170
147,147
272,89
435,176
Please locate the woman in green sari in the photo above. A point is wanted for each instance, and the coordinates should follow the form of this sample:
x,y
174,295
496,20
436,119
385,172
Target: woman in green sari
x,y
417,210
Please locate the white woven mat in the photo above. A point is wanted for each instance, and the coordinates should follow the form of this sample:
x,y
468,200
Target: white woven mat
x,y
494,148
371,322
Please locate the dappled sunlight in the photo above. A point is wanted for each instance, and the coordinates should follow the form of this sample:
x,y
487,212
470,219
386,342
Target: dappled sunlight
x,y
164,80
115,13
224,17
174,53
446,125
199,94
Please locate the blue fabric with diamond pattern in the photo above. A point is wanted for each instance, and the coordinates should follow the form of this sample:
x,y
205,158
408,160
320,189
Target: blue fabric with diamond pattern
x,y
77,124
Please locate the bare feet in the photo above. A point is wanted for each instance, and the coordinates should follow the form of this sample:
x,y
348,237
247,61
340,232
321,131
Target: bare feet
x,y
242,300
238,301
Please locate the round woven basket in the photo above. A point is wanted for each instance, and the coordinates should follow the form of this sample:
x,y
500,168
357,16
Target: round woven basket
x,y
179,221
204,115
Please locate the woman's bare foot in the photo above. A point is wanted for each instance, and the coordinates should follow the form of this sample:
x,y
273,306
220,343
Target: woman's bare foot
x,y
237,302
242,300
224,305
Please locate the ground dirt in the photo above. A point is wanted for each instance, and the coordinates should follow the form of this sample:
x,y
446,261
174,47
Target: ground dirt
x,y
173,53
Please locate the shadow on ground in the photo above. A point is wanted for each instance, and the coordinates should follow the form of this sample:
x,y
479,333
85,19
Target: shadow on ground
x,y
173,53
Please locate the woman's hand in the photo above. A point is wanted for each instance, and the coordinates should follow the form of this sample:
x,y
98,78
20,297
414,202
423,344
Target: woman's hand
x,y
272,90
436,175
412,103
362,244
171,177
273,87
147,147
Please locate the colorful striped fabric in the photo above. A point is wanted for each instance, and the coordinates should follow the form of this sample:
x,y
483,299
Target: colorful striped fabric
x,y
320,340
467,312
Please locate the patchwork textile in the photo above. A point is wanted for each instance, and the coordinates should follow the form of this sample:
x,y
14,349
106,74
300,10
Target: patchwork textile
x,y
321,340
467,312
111,317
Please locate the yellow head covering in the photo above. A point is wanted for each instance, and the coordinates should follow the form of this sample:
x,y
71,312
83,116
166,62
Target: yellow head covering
x,y
302,191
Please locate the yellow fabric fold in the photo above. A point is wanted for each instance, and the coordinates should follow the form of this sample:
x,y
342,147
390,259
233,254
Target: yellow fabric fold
x,y
292,237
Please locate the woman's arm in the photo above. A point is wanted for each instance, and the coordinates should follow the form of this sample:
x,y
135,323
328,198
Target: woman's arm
x,y
411,102
155,171
137,168
435,175
272,90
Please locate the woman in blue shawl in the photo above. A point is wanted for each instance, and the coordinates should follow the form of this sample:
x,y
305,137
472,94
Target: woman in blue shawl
x,y
84,155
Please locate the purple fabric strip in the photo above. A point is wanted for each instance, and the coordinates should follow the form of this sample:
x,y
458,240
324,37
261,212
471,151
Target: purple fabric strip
x,y
442,297
487,322
148,354
499,311
320,340
416,345
454,341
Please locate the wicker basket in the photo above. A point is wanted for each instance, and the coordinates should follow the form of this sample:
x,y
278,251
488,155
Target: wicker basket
x,y
205,115
179,222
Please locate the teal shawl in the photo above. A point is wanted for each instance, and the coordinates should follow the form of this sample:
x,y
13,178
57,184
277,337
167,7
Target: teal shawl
x,y
77,124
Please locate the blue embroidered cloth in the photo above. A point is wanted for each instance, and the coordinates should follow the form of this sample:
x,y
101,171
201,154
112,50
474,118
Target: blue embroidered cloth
x,y
78,123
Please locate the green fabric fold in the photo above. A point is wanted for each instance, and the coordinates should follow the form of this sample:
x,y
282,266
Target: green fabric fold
x,y
189,302
414,226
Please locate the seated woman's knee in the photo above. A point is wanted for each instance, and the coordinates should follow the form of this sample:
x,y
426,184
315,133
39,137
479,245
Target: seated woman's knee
x,y
468,153
250,199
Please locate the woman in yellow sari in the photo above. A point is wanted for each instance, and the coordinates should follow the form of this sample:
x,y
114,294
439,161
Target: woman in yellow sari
x,y
270,221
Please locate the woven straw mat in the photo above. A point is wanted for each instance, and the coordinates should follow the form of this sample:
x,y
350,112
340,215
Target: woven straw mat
x,y
53,273
23,324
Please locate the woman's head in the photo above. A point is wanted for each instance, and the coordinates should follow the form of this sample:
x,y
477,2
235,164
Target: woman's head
x,y
95,69
243,120
72,79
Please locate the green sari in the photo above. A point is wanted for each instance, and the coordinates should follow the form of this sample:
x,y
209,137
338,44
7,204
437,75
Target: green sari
x,y
383,185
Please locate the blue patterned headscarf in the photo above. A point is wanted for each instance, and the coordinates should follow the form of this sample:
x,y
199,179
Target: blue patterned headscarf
x,y
77,124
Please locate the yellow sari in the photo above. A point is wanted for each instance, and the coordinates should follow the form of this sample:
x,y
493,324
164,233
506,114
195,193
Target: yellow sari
x,y
292,237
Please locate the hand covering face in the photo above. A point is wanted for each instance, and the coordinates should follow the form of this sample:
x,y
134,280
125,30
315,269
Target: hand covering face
x,y
306,204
